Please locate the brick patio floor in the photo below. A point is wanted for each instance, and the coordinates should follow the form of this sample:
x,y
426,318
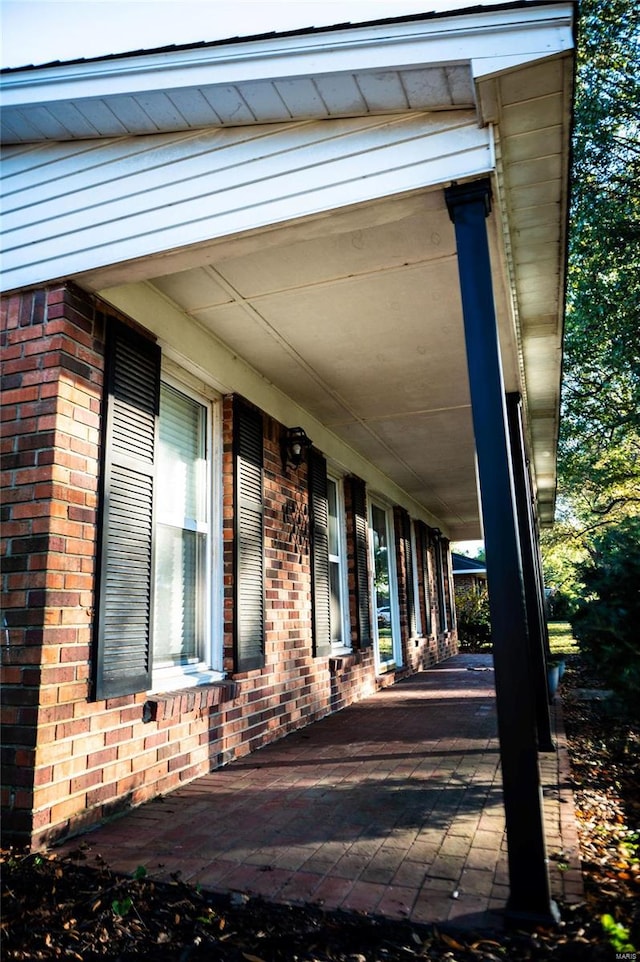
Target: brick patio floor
x,y
392,806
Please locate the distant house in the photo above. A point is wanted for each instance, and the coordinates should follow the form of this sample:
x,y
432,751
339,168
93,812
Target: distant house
x,y
468,573
272,307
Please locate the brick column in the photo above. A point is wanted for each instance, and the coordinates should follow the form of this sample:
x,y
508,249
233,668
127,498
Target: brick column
x,y
52,377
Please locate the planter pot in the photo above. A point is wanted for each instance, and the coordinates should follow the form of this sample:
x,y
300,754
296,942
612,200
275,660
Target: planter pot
x,y
553,679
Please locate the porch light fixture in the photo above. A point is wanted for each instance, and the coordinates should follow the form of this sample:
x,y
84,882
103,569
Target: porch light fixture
x,y
294,444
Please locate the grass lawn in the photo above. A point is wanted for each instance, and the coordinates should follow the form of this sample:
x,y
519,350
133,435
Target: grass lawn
x,y
561,640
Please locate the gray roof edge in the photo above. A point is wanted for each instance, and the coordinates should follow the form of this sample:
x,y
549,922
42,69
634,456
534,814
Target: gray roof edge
x,y
298,32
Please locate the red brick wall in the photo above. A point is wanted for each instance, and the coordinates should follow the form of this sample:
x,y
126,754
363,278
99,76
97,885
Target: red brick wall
x,y
352,678
469,582
70,762
465,582
52,383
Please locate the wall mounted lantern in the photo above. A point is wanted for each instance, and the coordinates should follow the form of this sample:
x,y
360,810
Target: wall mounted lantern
x,y
294,445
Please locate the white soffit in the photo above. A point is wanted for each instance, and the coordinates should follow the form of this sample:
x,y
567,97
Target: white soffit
x,y
531,108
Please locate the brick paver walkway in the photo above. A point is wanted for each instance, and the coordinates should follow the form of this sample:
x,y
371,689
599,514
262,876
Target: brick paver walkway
x,y
392,806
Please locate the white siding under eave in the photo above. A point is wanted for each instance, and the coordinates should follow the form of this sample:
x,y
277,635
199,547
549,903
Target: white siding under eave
x,y
74,207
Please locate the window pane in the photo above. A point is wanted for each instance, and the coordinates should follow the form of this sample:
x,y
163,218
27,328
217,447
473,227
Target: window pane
x,y
339,633
179,571
382,583
334,534
182,453
336,609
181,531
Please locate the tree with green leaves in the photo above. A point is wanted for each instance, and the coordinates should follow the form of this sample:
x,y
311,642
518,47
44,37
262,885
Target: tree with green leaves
x,y
605,621
599,451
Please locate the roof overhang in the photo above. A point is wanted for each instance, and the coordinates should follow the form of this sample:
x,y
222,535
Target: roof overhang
x,y
462,565
430,63
222,193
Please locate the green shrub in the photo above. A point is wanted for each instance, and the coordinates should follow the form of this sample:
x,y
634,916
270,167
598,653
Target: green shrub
x,y
607,616
560,606
472,614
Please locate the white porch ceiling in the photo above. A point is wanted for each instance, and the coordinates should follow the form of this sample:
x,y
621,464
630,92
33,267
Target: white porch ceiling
x,y
361,324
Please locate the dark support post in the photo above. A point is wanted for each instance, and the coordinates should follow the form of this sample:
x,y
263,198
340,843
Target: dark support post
x,y
533,586
530,898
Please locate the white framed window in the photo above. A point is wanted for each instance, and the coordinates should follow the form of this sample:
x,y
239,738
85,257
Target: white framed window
x,y
185,644
384,593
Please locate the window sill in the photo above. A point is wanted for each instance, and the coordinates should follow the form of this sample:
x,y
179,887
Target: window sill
x,y
200,698
387,667
166,680
389,674
342,662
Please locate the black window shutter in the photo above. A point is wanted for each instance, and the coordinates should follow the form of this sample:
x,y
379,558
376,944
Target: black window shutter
x,y
408,565
249,538
320,584
125,588
423,571
360,536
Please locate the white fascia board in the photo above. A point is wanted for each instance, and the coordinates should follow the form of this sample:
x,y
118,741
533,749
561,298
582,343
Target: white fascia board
x,y
201,352
519,34
484,68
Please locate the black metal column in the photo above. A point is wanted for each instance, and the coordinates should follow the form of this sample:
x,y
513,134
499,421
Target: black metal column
x,y
529,899
533,588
